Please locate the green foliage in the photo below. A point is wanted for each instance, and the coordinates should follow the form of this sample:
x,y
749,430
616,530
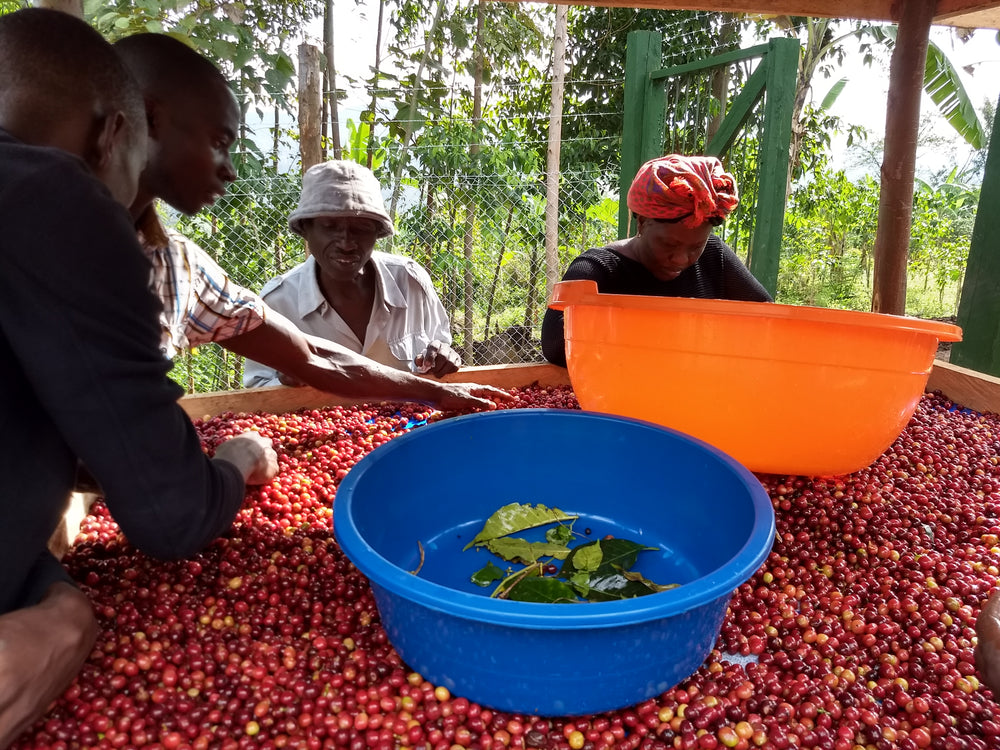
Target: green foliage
x,y
9,6
246,39
829,239
594,570
595,56
359,137
945,88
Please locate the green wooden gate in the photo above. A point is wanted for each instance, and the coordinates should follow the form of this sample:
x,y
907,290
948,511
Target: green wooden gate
x,y
700,122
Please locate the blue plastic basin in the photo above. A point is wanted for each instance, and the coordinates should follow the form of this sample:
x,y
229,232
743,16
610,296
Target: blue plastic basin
x,y
708,517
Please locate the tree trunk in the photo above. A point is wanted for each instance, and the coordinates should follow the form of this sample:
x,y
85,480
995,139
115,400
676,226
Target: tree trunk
x,y
473,195
496,271
330,89
720,80
375,77
902,122
309,106
552,268
531,304
397,178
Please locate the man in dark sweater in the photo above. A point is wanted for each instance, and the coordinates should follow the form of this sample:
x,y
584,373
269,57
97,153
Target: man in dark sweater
x,y
677,201
81,374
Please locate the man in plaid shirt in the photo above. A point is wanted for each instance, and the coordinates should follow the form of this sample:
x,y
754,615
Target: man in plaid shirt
x,y
193,119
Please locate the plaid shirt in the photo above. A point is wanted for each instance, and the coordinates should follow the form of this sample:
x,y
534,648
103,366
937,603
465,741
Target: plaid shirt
x,y
200,302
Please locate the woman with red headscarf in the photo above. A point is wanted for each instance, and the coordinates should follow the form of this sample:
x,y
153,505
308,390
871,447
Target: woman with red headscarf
x,y
676,201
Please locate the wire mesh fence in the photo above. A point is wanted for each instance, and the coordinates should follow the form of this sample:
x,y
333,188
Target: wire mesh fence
x,y
476,224
481,238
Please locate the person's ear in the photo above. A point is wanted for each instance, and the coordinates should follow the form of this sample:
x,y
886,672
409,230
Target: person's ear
x,y
155,116
110,136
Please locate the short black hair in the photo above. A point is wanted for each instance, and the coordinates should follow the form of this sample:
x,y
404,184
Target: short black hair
x,y
166,67
51,61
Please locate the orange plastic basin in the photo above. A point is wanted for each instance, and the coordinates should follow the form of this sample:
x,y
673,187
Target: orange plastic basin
x,y
783,389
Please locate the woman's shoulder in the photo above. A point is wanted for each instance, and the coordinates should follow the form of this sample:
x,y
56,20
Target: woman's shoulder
x,y
597,261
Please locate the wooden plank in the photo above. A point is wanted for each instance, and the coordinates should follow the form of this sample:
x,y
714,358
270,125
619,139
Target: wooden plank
x,y
278,399
962,12
962,385
878,10
972,14
988,18
965,387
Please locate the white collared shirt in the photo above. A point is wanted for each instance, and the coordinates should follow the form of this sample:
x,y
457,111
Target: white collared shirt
x,y
406,314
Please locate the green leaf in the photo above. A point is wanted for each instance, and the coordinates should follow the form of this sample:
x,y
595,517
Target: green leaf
x,y
581,582
515,549
588,557
516,517
545,590
945,88
486,575
942,82
620,553
833,94
560,534
635,575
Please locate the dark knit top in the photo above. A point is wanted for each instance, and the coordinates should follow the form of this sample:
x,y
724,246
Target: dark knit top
x,y
718,274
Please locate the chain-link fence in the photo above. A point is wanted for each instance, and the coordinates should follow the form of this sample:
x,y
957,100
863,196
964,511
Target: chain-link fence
x,y
481,238
468,200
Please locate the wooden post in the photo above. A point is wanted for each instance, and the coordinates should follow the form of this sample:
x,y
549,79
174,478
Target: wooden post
x,y
645,112
73,7
902,120
552,269
779,100
310,106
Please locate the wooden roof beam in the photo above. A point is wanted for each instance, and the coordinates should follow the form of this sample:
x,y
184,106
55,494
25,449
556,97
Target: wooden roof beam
x,y
975,14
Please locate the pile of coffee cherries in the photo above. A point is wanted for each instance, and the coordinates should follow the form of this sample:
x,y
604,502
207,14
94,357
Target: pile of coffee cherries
x,y
856,634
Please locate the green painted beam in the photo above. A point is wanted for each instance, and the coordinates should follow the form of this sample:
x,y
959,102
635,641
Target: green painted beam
x,y
645,112
779,102
979,308
739,111
717,61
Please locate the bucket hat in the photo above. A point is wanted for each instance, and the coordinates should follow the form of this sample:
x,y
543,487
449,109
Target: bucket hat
x,y
340,189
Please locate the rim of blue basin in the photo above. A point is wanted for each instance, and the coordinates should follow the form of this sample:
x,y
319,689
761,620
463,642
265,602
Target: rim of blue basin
x,y
531,615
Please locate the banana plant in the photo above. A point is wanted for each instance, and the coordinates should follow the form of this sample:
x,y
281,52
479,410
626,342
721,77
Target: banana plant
x,y
943,85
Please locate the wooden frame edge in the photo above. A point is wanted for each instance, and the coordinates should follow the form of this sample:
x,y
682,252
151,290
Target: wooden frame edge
x,y
969,388
278,399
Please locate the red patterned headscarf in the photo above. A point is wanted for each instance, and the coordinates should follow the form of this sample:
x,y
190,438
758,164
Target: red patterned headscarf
x,y
693,188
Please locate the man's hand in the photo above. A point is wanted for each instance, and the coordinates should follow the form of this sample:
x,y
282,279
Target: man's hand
x,y
251,453
41,650
290,380
988,645
438,359
462,396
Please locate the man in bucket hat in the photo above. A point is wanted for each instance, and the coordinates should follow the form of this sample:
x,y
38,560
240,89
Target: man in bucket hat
x,y
676,202
379,305
193,120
